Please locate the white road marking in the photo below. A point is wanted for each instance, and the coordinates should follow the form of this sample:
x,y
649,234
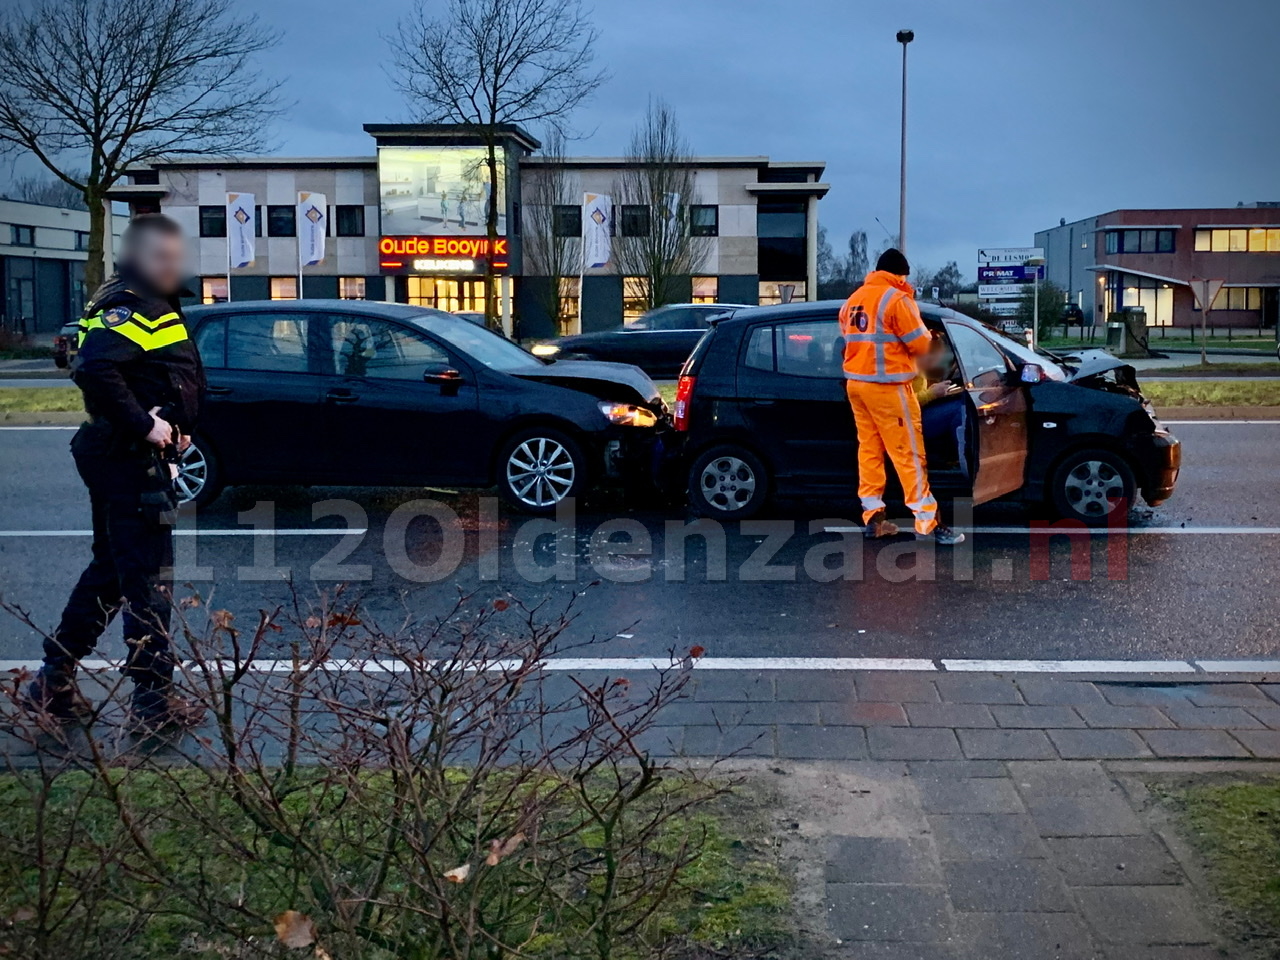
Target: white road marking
x,y
197,532
1192,423
39,428
1069,666
1110,531
1239,666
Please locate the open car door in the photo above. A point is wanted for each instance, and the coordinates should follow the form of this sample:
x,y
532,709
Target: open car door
x,y
1000,412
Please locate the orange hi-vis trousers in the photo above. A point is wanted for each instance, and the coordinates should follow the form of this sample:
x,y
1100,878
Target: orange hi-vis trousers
x,y
887,416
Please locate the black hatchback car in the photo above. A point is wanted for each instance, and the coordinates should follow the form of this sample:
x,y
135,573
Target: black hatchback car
x,y
763,409
658,342
360,392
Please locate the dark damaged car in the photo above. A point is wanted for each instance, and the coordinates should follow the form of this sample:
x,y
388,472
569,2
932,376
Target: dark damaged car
x,y
355,392
762,409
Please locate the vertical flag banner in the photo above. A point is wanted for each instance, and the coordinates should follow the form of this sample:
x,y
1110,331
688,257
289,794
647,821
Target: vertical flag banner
x,y
313,216
241,213
597,216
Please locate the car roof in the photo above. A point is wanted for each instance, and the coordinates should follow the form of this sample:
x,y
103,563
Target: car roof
x,y
424,317
702,306
807,308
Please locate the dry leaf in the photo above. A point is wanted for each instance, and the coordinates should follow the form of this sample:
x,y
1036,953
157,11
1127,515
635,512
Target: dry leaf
x,y
500,605
458,874
322,954
222,619
295,930
696,652
343,620
312,623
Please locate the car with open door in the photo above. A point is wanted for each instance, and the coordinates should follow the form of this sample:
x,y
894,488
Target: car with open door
x,y
762,410
354,392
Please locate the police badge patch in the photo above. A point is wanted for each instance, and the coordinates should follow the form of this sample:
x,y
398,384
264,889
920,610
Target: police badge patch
x,y
116,316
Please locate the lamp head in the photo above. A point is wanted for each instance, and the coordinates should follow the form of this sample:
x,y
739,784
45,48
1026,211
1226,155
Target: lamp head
x,y
906,36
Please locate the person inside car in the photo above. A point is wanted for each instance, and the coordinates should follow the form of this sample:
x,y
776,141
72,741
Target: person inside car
x,y
941,403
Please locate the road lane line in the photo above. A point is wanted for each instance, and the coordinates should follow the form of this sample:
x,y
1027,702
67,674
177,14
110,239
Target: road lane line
x,y
1069,666
195,532
1239,666
1192,423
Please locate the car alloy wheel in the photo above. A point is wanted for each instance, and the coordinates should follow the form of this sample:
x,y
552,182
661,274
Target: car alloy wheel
x,y
540,472
193,474
728,483
1094,488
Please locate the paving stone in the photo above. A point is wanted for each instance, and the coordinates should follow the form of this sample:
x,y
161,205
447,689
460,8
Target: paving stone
x,y
1133,718
733,685
897,912
1190,717
815,685
1052,691
986,836
1114,861
957,768
979,795
1136,694
1105,815
885,950
1226,694
811,742
912,743
1066,778
1098,744
881,860
728,713
1270,715
950,715
1006,745
1024,936
1272,690
976,688
1037,717
1006,886
891,687
1145,915
1193,743
1261,743
862,713
740,741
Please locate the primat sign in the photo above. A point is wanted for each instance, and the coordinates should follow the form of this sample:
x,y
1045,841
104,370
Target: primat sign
x,y
440,254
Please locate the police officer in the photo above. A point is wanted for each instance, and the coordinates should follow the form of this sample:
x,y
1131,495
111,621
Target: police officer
x,y
142,382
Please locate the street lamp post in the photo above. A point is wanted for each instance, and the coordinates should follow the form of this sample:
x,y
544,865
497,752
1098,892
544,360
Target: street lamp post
x,y
904,37
1035,263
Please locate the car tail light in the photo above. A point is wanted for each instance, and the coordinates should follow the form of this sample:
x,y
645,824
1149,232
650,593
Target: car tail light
x,y
684,396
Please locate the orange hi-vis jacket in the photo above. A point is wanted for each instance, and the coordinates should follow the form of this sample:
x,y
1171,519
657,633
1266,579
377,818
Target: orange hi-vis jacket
x,y
883,332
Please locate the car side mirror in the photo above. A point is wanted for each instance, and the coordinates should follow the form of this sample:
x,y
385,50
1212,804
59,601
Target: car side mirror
x,y
447,377
1031,373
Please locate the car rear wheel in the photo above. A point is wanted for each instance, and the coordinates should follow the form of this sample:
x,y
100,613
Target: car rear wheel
x,y
1091,485
728,483
198,479
539,468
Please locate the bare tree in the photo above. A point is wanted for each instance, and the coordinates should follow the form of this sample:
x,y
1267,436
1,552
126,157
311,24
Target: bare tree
x,y
548,253
49,191
489,63
93,87
658,178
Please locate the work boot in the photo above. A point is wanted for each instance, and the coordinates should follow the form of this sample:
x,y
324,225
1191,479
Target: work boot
x,y
943,535
878,527
54,693
154,709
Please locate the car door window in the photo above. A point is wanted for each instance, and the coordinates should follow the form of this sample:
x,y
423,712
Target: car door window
x,y
759,352
809,348
981,361
211,343
675,319
364,347
275,342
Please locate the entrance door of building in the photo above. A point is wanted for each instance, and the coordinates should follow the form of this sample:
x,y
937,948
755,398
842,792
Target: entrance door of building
x,y
1270,306
20,295
450,294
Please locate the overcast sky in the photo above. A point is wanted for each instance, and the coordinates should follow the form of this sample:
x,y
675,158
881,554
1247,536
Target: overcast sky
x,y
1021,111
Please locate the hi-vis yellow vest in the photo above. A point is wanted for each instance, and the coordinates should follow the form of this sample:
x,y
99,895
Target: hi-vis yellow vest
x,y
147,334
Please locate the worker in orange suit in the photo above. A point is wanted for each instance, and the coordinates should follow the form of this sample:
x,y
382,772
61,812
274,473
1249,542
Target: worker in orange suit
x,y
883,336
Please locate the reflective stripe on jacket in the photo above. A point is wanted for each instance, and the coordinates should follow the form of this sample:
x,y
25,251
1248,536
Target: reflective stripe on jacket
x,y
883,331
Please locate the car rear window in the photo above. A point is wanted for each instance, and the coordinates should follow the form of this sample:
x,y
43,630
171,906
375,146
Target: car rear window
x,y
802,348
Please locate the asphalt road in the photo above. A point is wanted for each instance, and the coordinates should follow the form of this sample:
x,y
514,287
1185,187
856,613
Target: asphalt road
x,y
1196,578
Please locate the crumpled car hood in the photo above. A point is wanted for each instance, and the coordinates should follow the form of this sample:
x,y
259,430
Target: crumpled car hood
x,y
1095,362
618,382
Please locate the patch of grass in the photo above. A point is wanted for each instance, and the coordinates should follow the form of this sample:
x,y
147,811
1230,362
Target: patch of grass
x,y
40,399
1252,342
668,391
1203,393
1211,369
1236,828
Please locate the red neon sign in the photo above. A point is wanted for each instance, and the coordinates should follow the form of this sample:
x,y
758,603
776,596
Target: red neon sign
x,y
472,248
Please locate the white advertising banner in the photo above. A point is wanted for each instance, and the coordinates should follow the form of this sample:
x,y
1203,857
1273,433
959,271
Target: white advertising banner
x,y
999,256
313,217
1001,289
597,216
241,214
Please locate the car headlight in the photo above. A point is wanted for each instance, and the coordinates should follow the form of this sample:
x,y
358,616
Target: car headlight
x,y
628,415
544,350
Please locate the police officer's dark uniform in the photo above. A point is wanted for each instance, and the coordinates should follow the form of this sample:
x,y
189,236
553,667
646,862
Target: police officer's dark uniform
x,y
134,354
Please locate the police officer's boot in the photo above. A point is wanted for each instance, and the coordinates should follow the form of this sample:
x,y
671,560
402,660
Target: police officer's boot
x,y
54,693
155,707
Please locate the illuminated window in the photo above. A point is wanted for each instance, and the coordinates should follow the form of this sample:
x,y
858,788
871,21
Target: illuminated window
x,y
1238,298
351,288
1204,240
1238,241
284,288
1155,297
570,304
635,298
450,295
213,290
785,292
706,289
1219,240
1258,240
1273,240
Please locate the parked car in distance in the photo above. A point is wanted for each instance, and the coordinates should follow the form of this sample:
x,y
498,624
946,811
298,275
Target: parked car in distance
x,y
366,393
66,344
763,410
658,342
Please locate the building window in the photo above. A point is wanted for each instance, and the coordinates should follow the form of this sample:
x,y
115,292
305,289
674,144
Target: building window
x,y
213,290
284,288
351,288
788,292
635,220
82,240
349,218
635,298
281,222
704,220
1235,240
22,236
213,221
706,289
1140,241
1155,297
781,219
1238,298
570,305
566,220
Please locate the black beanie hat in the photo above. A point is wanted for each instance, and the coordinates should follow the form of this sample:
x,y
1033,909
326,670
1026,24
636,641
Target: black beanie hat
x,y
894,261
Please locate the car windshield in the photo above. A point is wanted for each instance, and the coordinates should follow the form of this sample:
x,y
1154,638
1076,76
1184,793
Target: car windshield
x,y
1052,369
485,346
